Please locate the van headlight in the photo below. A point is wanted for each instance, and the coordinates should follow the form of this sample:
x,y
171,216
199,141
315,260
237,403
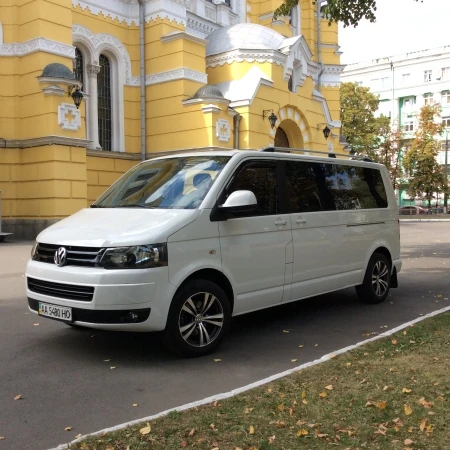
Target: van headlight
x,y
139,257
33,250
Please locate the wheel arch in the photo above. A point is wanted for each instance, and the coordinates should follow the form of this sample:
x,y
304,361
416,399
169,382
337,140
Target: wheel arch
x,y
217,277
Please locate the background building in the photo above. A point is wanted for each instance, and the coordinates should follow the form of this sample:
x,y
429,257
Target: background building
x,y
158,76
404,84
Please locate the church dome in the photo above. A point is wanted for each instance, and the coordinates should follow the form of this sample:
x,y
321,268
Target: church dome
x,y
56,70
243,36
209,92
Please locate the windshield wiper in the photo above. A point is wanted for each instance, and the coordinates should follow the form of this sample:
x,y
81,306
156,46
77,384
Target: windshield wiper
x,y
130,206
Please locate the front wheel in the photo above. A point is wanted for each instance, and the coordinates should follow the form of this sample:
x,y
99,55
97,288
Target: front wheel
x,y
377,280
198,319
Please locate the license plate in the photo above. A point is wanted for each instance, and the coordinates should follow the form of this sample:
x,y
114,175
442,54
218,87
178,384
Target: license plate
x,y
55,312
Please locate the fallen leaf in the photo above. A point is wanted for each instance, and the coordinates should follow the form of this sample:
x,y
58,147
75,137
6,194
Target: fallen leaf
x,y
212,426
251,430
294,360
68,429
106,360
408,442
18,397
408,410
145,430
305,402
135,404
300,346
280,424
425,404
269,390
322,394
285,331
2,438
423,425
248,410
394,341
281,408
379,405
36,324
348,364
183,444
304,394
217,360
301,433
406,391
316,345
332,356
215,448
318,434
192,432
440,398
78,436
112,367
271,439
386,388
329,387
412,342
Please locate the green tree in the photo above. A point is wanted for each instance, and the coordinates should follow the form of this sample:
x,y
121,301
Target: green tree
x,y
427,175
349,12
361,128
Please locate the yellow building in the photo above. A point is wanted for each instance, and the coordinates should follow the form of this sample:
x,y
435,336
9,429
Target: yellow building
x,y
158,76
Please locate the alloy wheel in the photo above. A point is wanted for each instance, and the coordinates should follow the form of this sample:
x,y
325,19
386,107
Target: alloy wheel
x,y
380,278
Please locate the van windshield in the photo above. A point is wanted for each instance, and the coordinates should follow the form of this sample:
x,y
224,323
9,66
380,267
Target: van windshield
x,y
172,183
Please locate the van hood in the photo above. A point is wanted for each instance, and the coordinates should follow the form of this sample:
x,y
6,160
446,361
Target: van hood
x,y
107,227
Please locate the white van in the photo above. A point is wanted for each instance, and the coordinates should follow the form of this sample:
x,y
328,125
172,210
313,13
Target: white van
x,y
182,243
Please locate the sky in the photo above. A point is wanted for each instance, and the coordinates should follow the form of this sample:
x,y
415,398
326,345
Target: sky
x,y
402,26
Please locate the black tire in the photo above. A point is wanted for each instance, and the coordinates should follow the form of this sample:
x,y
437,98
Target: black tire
x,y
198,320
377,280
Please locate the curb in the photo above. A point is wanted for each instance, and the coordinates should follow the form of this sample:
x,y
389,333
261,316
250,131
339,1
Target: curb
x,y
424,220
237,391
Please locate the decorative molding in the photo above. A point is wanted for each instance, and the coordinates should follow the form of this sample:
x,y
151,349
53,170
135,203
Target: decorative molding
x,y
46,140
116,10
175,35
93,70
317,96
113,155
199,27
53,90
63,81
1,34
294,114
69,117
223,130
260,56
211,109
37,45
176,74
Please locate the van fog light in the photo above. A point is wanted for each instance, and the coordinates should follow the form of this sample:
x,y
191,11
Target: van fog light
x,y
129,317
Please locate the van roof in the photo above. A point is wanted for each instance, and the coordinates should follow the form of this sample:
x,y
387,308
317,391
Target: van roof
x,y
270,154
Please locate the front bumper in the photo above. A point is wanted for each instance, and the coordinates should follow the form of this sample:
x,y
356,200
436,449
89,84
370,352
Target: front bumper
x,y
114,293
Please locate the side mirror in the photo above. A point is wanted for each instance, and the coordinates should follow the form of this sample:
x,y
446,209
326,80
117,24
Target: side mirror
x,y
240,201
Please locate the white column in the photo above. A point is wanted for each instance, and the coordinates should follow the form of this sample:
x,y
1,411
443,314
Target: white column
x,y
92,126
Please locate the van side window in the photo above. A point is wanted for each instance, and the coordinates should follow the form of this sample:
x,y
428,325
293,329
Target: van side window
x,y
302,187
261,179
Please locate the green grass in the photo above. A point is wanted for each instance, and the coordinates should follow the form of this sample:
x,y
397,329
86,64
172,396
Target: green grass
x,y
364,405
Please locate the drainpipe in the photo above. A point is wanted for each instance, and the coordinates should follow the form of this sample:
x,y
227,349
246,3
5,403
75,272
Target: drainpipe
x,y
142,76
319,50
236,121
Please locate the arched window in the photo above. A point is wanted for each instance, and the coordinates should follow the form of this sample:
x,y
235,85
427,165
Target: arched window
x,y
78,66
104,104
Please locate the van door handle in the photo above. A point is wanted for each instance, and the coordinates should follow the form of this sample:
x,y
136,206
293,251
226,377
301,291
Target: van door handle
x,y
300,220
280,222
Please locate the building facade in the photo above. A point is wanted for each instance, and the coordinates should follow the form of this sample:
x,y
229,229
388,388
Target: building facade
x,y
405,83
158,76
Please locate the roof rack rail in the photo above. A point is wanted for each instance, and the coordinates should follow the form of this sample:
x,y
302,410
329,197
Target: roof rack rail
x,y
272,149
362,158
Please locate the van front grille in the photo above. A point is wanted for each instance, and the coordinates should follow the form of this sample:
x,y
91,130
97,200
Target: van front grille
x,y
76,256
60,290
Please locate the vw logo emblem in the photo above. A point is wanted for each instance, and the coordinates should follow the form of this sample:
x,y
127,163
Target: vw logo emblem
x,y
60,256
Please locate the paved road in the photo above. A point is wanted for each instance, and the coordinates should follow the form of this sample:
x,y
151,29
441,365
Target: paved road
x,y
64,381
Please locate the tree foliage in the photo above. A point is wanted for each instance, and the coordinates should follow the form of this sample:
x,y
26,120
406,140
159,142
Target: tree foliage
x,y
359,125
427,175
349,12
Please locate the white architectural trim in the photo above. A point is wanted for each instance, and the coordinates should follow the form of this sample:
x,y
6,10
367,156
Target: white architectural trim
x,y
1,33
69,117
260,56
37,45
326,111
176,74
211,109
198,26
175,35
54,90
294,114
116,10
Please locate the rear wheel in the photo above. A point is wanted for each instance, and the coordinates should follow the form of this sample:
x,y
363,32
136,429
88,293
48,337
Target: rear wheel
x,y
377,280
198,320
